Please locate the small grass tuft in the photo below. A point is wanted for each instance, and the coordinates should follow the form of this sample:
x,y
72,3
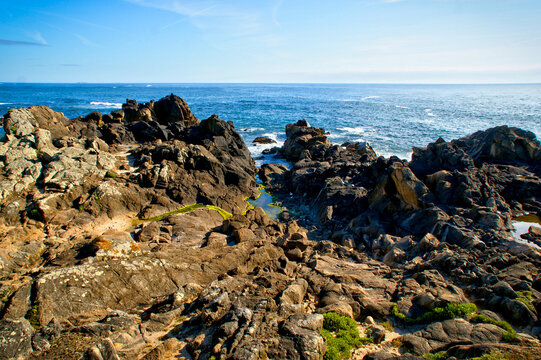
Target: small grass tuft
x,y
525,294
387,326
526,298
4,296
96,197
397,343
33,316
111,175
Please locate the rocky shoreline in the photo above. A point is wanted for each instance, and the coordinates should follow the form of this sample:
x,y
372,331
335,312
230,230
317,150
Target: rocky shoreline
x,y
129,236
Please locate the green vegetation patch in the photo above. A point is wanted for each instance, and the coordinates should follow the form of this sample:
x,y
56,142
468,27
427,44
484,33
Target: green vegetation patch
x,y
387,326
342,336
449,311
510,334
442,355
185,209
266,201
33,316
111,174
95,196
526,298
498,355
4,297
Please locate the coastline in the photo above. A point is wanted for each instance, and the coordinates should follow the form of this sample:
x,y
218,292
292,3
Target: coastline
x,y
376,239
392,124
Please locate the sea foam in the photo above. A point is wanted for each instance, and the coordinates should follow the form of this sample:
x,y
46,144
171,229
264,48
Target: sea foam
x,y
105,105
353,130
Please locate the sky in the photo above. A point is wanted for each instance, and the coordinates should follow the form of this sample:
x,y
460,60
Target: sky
x,y
271,41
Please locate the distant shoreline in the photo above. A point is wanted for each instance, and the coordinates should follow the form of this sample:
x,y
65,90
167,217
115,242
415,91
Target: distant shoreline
x,y
268,83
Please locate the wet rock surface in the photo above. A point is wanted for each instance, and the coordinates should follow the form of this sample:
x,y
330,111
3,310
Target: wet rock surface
x,y
103,256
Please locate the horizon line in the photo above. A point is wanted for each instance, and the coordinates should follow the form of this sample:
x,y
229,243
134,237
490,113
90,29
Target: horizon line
x,y
267,83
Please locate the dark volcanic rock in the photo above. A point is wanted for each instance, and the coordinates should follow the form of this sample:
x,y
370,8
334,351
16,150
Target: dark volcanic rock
x,y
263,140
172,109
304,141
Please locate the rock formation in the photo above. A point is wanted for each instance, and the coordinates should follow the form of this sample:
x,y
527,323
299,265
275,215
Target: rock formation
x,y
104,254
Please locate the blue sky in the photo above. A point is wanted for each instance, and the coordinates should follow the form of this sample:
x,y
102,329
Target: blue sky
x,y
344,41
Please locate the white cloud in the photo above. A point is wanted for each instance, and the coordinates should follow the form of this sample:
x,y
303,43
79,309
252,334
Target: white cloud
x,y
38,38
85,41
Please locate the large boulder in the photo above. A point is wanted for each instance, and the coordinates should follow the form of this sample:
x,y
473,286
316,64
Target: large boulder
x,y
21,122
172,109
304,141
501,144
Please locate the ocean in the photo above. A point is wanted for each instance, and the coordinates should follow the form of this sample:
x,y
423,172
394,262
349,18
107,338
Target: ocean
x,y
391,118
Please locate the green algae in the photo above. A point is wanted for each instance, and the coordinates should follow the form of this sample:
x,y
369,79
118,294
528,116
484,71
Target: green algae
x,y
226,215
267,202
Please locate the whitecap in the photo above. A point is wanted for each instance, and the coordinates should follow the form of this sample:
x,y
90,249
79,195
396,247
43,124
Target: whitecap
x,y
370,97
401,107
273,136
148,85
253,129
256,150
429,112
353,130
334,136
3,103
105,105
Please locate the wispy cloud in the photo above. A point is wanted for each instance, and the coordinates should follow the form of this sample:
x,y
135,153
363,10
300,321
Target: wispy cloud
x,y
21,43
230,19
76,20
85,41
275,10
38,38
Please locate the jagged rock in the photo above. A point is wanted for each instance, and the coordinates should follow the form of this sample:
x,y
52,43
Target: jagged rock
x,y
19,303
294,294
16,339
458,330
22,122
105,350
304,141
422,234
263,140
501,144
268,172
94,116
304,330
172,109
377,333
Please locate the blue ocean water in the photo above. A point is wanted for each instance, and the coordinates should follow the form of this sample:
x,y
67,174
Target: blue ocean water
x,y
392,118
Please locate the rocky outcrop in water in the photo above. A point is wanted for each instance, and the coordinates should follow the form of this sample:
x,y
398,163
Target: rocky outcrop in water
x,y
105,256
